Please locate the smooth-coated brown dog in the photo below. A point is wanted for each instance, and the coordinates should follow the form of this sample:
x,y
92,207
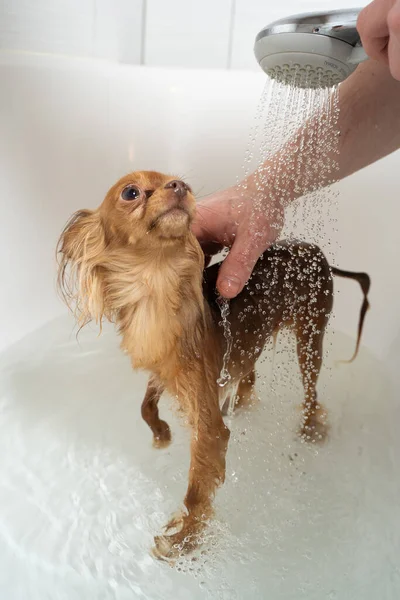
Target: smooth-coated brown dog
x,y
135,261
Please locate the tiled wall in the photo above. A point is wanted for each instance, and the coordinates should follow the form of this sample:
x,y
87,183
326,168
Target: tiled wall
x,y
186,33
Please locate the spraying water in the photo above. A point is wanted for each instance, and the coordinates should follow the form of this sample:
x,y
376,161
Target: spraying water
x,y
225,377
293,152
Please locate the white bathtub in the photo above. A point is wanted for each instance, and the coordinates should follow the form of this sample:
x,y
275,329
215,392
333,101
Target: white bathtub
x,y
82,491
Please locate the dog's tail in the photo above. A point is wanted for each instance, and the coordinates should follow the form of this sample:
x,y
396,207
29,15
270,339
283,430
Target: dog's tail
x,y
365,283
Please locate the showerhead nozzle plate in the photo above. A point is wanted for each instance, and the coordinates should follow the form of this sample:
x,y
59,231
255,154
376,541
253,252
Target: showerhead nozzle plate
x,y
304,60
300,77
304,70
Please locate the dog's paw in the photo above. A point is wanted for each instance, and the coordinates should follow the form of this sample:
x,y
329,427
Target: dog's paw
x,y
170,547
185,539
314,428
162,438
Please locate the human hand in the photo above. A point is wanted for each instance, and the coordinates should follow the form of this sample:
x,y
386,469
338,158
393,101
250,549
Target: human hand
x,y
243,219
379,28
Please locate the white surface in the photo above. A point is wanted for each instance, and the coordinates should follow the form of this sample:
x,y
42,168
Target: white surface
x,y
64,27
187,33
82,490
118,30
109,29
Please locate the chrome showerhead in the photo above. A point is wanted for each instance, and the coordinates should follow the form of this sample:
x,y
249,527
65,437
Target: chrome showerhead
x,y
311,50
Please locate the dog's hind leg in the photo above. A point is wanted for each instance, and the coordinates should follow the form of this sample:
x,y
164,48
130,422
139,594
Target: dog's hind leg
x,y
309,351
160,429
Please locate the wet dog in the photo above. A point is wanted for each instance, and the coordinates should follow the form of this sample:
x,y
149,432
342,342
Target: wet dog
x,y
134,261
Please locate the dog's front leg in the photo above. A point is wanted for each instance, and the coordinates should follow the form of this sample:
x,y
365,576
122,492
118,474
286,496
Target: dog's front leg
x,y
149,409
209,443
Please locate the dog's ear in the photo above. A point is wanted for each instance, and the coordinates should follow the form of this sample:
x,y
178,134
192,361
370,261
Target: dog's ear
x,y
81,250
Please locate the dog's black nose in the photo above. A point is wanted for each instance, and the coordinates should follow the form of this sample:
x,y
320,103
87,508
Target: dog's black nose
x,y
180,188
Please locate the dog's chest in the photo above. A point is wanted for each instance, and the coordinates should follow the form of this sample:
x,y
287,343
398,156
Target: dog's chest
x,y
151,333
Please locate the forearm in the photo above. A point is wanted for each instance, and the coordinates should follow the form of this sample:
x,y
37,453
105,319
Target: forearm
x,y
369,120
368,127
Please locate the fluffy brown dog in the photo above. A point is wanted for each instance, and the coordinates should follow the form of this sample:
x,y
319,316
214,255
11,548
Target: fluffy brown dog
x,y
135,261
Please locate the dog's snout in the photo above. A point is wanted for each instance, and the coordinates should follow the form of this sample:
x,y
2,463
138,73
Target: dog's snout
x,y
179,187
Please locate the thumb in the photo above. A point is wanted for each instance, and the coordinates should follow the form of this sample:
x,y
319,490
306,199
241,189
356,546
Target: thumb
x,y
238,266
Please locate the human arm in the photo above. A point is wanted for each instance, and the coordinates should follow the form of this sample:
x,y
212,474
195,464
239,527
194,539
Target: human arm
x,y
369,125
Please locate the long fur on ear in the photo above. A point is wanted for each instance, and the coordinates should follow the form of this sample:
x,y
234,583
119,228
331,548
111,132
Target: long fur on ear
x,y
80,250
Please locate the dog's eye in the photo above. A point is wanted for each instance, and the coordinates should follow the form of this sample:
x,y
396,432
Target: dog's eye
x,y
131,192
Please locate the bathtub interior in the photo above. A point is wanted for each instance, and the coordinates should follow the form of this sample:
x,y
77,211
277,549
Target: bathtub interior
x,y
83,491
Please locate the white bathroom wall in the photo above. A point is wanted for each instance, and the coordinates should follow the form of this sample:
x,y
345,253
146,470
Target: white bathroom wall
x,y
187,34
110,29
61,26
118,30
181,33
